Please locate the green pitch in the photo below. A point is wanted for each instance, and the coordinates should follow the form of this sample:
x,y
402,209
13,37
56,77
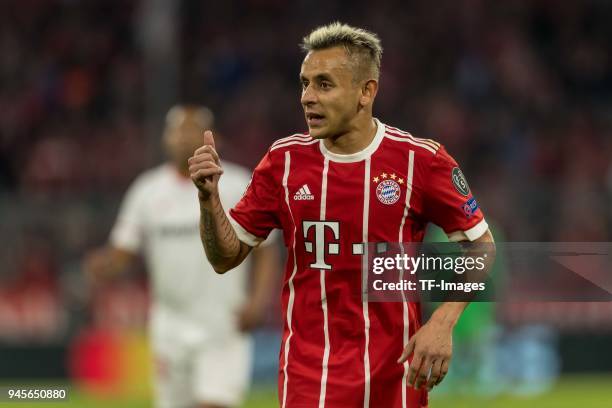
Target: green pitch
x,y
570,392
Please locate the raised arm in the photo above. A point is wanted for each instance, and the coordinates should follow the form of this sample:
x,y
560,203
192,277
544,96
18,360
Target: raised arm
x,y
223,248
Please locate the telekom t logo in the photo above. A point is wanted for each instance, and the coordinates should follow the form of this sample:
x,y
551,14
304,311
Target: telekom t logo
x,y
332,248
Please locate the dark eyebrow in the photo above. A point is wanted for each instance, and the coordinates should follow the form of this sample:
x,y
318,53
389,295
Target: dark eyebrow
x,y
323,77
319,77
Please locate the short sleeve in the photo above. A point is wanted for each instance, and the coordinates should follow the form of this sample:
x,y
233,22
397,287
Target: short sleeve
x,y
128,231
449,202
256,214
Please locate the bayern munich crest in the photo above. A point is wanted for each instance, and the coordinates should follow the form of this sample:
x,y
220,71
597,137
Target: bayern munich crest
x,y
388,187
388,192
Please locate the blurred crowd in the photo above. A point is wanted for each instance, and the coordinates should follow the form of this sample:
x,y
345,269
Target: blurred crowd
x,y
519,92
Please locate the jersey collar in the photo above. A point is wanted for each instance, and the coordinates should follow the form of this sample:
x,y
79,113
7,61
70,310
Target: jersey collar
x,y
358,156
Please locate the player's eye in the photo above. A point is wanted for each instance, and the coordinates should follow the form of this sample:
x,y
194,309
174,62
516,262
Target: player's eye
x,y
304,84
325,85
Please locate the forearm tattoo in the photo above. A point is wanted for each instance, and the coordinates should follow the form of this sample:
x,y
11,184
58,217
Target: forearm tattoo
x,y
218,235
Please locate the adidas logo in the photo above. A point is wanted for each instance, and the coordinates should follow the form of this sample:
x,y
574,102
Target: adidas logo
x,y
303,193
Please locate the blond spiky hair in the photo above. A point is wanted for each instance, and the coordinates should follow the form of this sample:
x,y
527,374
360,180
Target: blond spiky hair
x,y
361,45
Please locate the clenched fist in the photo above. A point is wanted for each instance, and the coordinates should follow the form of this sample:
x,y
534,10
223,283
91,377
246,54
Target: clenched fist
x,y
205,168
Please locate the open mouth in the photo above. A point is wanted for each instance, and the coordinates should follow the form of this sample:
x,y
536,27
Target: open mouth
x,y
314,119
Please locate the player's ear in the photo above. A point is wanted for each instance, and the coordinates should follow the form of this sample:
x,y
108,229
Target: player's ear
x,y
368,92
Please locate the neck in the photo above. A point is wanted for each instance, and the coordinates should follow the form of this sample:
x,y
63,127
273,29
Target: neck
x,y
357,138
183,172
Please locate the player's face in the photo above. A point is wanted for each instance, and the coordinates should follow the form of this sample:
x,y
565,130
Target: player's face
x,y
330,97
181,141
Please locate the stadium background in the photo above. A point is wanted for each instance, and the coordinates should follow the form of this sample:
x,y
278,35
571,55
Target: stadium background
x,y
519,91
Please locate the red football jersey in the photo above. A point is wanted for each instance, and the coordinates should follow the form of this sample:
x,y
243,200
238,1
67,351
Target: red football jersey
x,y
339,350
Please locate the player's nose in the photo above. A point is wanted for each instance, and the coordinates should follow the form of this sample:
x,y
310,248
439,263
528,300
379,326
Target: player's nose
x,y
308,96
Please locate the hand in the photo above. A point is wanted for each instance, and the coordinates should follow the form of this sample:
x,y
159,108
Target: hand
x,y
249,317
432,346
205,168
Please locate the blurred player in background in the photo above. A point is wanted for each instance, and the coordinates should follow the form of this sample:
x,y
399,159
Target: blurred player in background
x,y
350,180
199,321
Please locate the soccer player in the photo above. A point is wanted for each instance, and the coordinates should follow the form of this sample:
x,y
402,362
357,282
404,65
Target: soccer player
x,y
199,322
350,180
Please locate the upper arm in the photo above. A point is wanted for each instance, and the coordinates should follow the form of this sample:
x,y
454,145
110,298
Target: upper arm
x,y
482,247
449,202
128,232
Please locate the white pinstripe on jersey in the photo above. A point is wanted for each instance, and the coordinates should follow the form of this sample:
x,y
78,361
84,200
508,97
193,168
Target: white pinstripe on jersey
x,y
323,293
364,303
290,283
409,177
